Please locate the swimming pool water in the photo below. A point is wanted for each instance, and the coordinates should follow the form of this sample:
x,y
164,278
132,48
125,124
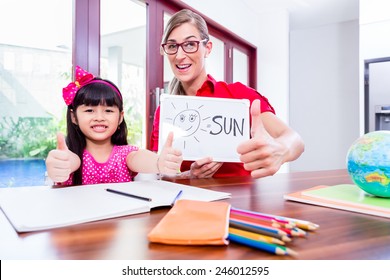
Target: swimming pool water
x,y
22,172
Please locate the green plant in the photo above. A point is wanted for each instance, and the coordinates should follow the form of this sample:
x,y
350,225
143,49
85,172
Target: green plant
x,y
134,126
26,137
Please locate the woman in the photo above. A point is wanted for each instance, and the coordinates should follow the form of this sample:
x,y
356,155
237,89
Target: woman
x,y
186,44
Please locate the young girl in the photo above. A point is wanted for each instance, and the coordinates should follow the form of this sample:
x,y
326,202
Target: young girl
x,y
96,150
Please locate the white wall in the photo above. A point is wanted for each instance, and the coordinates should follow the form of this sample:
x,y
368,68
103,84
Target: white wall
x,y
324,93
374,19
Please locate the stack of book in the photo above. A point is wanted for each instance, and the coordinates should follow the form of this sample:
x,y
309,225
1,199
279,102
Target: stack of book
x,y
266,232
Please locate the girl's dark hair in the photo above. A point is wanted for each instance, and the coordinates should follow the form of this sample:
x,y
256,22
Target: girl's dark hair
x,y
92,94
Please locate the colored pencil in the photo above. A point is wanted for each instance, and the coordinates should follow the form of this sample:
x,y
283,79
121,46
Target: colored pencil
x,y
265,246
251,221
305,224
266,228
254,220
280,219
256,236
179,194
263,216
261,230
294,232
262,219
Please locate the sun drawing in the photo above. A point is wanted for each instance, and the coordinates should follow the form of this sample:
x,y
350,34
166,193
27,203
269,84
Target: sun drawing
x,y
187,123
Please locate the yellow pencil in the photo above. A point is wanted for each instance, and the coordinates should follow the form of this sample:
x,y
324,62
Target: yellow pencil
x,y
306,225
256,236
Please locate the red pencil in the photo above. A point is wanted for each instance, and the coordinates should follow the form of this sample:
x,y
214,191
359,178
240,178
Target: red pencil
x,y
254,220
279,219
294,232
262,216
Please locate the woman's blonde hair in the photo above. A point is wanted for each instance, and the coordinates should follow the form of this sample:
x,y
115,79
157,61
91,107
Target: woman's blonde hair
x,y
179,18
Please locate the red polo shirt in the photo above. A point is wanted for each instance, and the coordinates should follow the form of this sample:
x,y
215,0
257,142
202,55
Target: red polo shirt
x,y
212,88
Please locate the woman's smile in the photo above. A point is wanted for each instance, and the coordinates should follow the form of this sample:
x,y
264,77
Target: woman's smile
x,y
183,66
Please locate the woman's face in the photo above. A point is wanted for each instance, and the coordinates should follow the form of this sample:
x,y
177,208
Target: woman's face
x,y
188,68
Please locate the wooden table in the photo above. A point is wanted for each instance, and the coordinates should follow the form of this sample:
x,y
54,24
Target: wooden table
x,y
342,235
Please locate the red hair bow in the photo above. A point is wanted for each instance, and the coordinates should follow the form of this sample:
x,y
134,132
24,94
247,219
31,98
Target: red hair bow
x,y
82,78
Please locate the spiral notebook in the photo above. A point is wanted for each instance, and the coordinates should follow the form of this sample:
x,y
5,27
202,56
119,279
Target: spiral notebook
x,y
43,207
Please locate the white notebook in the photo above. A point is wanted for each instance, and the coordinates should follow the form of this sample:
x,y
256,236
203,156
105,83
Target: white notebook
x,y
40,208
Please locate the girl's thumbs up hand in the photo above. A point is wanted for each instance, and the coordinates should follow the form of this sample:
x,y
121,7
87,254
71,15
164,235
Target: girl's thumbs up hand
x,y
170,159
262,154
61,143
59,161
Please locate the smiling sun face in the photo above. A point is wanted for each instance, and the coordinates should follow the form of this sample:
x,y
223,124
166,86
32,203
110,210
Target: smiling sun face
x,y
188,124
187,120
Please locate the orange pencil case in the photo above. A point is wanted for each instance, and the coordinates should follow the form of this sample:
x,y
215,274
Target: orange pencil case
x,y
191,222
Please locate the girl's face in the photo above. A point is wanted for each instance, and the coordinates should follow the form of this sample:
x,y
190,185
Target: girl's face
x,y
98,123
189,68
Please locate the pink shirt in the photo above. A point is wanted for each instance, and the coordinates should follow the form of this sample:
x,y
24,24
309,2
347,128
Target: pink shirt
x,y
114,170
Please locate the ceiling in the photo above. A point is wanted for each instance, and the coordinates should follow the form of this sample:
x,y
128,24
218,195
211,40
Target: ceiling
x,y
309,13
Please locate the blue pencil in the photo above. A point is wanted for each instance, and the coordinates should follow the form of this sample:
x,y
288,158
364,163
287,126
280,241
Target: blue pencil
x,y
177,197
265,246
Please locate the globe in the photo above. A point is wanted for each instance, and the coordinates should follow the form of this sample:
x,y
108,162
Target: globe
x,y
368,163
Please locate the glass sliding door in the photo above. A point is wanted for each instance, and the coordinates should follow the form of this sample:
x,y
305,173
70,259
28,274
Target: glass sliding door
x,y
35,64
123,59
240,67
215,63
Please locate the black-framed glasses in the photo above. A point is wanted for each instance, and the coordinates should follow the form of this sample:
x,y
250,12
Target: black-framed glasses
x,y
190,46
